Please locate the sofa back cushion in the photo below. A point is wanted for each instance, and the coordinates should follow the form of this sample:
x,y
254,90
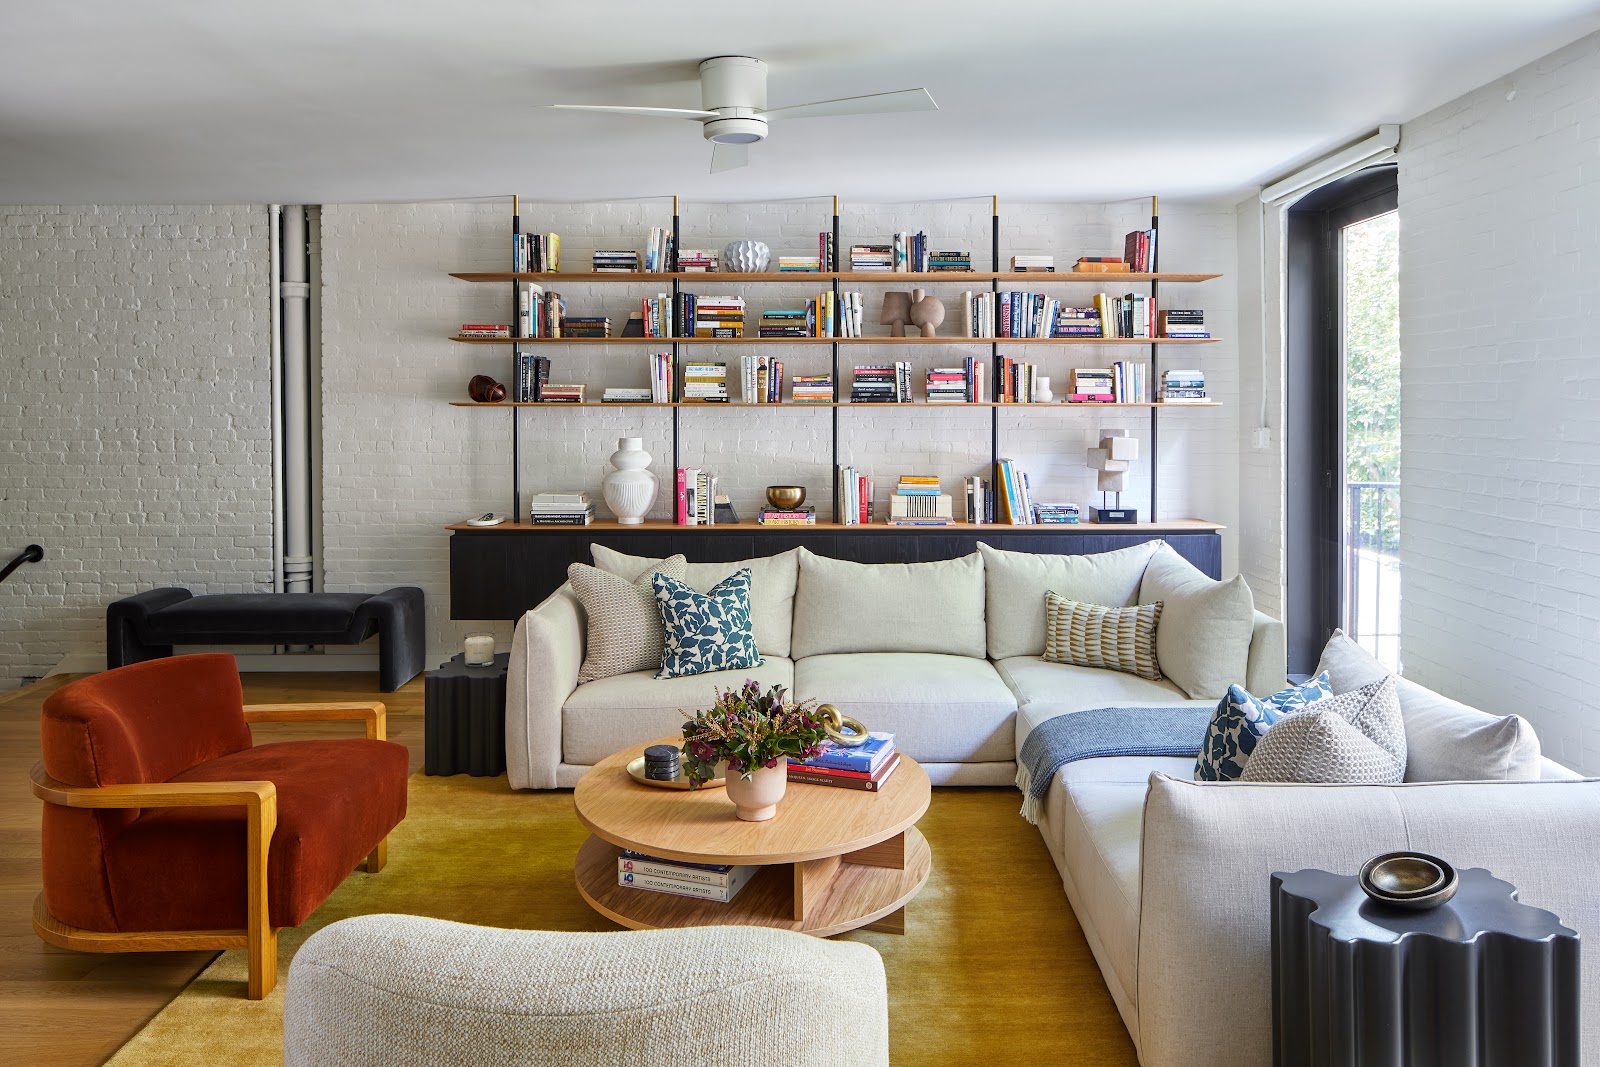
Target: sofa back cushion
x,y
1203,643
1446,741
772,583
890,607
1016,583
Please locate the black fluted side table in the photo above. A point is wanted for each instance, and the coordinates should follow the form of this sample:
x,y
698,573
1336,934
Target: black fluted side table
x,y
464,718
1481,981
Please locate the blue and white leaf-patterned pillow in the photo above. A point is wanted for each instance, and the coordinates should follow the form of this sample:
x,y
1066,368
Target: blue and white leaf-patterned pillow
x,y
703,632
1241,720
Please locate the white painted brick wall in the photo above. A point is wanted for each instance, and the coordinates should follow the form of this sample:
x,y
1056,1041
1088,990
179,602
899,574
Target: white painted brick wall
x,y
1500,267
399,464
136,414
1261,472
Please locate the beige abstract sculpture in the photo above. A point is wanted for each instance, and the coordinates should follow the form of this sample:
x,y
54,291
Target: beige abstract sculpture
x,y
1113,457
927,312
896,313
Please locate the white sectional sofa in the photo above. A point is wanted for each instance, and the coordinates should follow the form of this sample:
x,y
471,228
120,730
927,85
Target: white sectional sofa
x,y
1168,877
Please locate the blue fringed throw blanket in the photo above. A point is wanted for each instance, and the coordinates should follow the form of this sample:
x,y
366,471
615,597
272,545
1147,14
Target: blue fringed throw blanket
x,y
1177,730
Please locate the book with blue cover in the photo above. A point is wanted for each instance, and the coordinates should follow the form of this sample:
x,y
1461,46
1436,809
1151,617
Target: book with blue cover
x,y
863,759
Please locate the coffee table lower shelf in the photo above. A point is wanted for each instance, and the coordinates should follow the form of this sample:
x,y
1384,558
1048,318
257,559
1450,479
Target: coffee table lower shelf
x,y
821,897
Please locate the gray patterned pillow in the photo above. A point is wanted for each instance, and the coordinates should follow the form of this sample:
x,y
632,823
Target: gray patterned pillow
x,y
1354,738
1089,635
624,625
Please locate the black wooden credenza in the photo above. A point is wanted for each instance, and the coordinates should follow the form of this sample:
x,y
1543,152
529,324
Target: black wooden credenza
x,y
499,572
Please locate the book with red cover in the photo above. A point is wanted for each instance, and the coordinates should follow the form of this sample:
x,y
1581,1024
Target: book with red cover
x,y
844,779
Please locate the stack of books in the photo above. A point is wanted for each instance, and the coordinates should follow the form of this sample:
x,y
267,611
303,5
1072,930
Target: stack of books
x,y
1100,265
695,503
1018,381
882,384
865,767
539,314
1055,514
1077,322
661,377
977,500
719,882
1128,382
717,316
917,501
812,389
1185,323
561,509
943,262
826,253
705,382
617,261
535,252
799,264
532,372
1183,387
627,394
697,260
783,322
1032,264
761,379
485,329
586,326
872,259
855,497
658,250
1092,385
806,516
1139,250
1013,500
956,385
553,393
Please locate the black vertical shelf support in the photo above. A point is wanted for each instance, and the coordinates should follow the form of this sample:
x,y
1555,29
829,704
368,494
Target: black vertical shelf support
x,y
516,360
1154,383
994,358
676,391
834,410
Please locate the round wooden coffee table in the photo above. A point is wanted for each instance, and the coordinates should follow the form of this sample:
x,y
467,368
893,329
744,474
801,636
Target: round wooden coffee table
x,y
834,859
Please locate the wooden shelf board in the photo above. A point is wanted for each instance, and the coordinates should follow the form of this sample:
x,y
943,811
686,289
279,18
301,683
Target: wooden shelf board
x,y
836,340
801,277
788,405
660,526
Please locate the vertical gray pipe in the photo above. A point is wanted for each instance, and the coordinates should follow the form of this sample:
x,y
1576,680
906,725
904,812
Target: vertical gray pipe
x,y
296,404
314,386
275,219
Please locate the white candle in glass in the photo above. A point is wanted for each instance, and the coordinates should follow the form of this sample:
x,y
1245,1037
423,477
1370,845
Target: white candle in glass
x,y
478,649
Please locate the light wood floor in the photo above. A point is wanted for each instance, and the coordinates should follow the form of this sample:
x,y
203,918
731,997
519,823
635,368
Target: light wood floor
x,y
71,1009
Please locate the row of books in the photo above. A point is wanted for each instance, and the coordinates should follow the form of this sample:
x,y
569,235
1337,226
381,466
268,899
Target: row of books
x,y
717,882
906,252
956,385
573,508
1183,387
1018,381
855,497
692,315
883,383
761,379
658,251
865,767
539,314
829,314
695,499
535,252
1139,249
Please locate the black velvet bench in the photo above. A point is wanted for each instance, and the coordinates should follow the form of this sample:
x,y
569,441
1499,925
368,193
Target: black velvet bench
x,y
147,625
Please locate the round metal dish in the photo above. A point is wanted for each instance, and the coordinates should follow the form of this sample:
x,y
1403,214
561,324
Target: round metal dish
x,y
636,772
1411,880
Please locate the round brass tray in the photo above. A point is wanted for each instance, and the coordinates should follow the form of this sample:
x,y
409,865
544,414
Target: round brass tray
x,y
636,772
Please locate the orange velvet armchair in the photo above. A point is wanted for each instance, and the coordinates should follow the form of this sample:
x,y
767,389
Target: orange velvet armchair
x,y
166,828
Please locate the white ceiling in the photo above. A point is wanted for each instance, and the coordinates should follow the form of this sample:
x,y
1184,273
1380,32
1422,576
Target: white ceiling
x,y
322,101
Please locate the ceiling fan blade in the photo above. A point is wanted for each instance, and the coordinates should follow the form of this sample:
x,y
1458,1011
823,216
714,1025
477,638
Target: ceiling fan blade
x,y
640,112
729,157
873,104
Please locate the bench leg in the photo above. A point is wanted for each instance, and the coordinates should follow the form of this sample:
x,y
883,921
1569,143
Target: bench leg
x,y
377,857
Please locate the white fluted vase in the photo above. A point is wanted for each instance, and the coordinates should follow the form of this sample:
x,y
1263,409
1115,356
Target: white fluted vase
x,y
630,489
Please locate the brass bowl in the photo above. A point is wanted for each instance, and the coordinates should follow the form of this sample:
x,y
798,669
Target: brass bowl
x,y
786,497
1412,880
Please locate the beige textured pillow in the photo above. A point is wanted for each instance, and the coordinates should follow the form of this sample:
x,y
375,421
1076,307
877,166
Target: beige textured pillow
x,y
840,606
1355,738
1015,581
1089,635
1206,625
624,622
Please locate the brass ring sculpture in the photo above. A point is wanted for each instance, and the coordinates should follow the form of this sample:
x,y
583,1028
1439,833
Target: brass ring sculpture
x,y
841,729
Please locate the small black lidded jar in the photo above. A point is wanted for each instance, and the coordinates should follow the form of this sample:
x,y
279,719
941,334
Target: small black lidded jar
x,y
663,763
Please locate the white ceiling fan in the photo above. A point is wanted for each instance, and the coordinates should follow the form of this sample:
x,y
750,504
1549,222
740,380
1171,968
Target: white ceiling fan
x,y
734,115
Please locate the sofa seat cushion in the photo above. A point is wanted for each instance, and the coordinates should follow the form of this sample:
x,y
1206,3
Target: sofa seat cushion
x,y
611,714
1045,690
184,868
1094,816
941,709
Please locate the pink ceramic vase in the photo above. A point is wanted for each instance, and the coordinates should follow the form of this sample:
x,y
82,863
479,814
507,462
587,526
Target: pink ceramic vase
x,y
755,799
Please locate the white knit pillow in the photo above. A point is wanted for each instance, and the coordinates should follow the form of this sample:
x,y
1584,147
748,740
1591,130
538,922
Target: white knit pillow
x,y
624,623
1354,738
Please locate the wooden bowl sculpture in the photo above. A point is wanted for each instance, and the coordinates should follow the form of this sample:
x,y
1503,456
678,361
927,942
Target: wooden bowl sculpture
x,y
485,390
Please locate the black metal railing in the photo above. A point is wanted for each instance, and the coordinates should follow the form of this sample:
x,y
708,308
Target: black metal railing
x,y
31,554
1372,564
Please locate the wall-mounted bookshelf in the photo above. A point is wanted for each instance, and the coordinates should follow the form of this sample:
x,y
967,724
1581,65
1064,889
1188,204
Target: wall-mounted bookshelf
x,y
990,278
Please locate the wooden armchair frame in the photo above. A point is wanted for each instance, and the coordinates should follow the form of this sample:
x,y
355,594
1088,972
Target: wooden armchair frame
x,y
260,801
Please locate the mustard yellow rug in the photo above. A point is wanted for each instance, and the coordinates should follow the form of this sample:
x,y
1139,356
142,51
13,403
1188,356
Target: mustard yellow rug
x,y
992,968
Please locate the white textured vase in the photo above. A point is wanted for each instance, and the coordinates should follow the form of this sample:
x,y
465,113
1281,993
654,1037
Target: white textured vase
x,y
630,489
1041,391
746,257
755,799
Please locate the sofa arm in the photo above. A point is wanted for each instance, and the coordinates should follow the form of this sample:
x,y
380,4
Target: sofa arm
x,y
1209,851
546,655
1269,656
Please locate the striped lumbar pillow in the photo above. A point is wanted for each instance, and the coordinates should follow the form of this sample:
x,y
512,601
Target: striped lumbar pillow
x,y
624,625
1089,635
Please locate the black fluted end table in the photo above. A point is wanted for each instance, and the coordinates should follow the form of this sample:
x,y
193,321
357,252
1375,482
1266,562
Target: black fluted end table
x,y
464,718
1481,981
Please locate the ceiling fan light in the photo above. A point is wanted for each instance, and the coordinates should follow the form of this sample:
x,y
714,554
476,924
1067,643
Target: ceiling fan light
x,y
735,130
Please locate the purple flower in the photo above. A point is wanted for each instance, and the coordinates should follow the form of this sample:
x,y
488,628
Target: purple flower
x,y
770,763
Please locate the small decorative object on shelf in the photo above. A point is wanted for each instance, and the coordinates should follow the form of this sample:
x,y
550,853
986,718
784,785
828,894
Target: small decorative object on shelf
x,y
1041,390
1414,881
485,390
746,257
1112,458
756,732
477,650
786,497
630,489
926,312
896,313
